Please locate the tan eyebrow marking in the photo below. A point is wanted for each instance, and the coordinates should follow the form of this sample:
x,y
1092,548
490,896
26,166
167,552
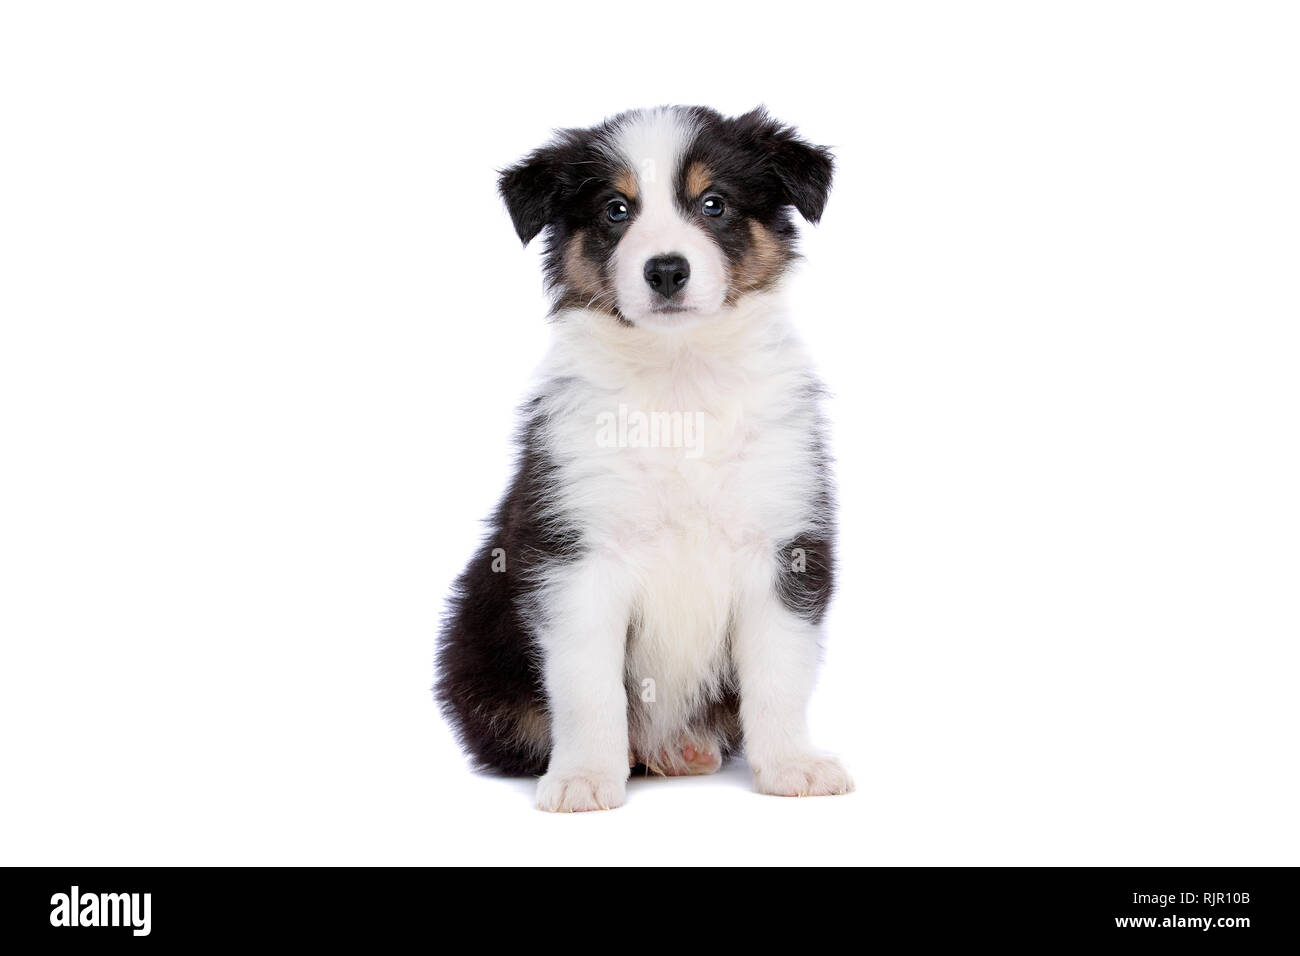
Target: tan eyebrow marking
x,y
625,183
698,179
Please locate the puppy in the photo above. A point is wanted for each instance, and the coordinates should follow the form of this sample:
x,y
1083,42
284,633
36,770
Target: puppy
x,y
653,585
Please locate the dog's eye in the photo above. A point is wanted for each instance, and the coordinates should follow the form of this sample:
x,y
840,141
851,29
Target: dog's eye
x,y
616,211
712,206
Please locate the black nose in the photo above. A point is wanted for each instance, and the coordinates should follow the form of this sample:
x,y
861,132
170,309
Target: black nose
x,y
667,275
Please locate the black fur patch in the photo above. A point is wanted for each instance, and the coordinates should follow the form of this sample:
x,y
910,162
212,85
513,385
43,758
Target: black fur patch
x,y
490,684
807,574
806,564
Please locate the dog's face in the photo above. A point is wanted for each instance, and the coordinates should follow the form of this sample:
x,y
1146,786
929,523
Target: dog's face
x,y
664,217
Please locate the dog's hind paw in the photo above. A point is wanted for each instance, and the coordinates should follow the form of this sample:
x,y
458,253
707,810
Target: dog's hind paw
x,y
689,758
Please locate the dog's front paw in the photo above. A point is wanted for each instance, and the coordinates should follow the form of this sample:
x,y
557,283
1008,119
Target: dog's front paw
x,y
813,775
569,791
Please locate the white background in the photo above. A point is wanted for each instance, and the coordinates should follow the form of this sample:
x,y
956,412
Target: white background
x,y
265,325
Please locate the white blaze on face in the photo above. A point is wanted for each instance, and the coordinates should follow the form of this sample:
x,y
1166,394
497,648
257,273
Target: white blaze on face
x,y
653,144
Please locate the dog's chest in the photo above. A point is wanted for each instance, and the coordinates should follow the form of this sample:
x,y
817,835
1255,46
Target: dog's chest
x,y
687,466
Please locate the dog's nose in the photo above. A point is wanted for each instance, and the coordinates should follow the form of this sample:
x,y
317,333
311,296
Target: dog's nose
x,y
667,275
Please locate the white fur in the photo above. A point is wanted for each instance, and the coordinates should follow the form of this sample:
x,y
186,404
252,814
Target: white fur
x,y
681,547
652,144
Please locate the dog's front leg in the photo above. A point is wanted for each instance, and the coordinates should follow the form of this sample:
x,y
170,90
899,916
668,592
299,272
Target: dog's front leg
x,y
776,654
584,640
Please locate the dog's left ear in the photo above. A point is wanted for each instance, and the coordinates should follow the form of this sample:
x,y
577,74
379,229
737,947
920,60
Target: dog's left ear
x,y
804,170
531,190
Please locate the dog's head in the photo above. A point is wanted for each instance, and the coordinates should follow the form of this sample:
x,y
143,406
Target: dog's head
x,y
662,217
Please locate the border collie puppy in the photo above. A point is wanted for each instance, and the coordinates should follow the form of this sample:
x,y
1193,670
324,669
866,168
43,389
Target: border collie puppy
x,y
652,588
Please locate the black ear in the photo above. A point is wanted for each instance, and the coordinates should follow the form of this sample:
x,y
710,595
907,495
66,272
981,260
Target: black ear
x,y
804,170
531,190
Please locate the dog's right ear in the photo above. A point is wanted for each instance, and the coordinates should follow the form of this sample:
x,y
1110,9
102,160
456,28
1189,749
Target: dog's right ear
x,y
531,190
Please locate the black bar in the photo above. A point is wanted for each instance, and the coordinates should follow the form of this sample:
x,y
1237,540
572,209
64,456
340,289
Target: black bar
x,y
1226,908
